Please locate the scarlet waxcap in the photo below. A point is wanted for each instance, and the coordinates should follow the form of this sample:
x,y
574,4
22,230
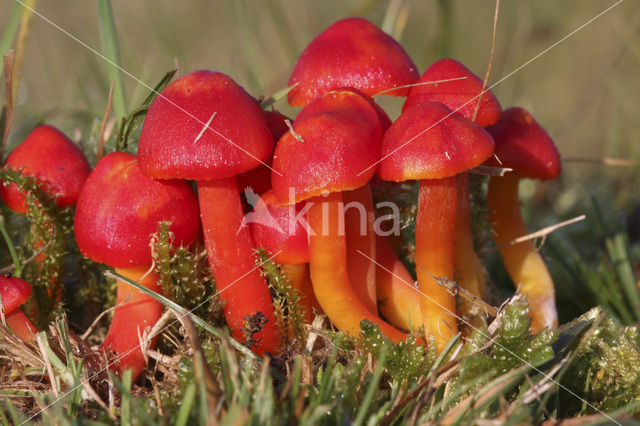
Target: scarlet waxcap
x,y
278,229
523,145
259,178
335,154
54,160
344,102
428,141
352,52
119,209
461,96
177,143
14,292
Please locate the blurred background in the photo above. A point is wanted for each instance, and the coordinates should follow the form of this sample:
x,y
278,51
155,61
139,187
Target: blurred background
x,y
585,91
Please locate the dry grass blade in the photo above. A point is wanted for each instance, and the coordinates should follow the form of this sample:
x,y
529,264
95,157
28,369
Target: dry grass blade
x,y
21,41
490,65
8,99
490,171
605,161
201,368
542,233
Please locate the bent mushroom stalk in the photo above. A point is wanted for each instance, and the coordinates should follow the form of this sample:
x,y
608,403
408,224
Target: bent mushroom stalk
x,y
431,144
118,211
523,145
336,146
205,127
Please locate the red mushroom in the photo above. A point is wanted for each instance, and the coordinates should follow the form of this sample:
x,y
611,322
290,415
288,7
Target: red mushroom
x,y
461,95
61,168
431,144
316,162
48,155
15,292
523,145
205,127
354,53
118,210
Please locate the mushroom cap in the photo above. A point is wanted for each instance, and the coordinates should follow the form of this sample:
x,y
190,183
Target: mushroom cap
x,y
175,142
276,228
428,141
458,95
54,160
344,102
341,136
119,208
14,292
523,145
352,52
259,178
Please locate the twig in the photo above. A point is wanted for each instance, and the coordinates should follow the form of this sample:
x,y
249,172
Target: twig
x,y
293,132
86,334
455,289
7,269
491,171
542,233
103,126
425,83
605,161
490,65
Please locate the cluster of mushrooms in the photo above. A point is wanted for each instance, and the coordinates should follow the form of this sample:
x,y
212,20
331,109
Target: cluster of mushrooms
x,y
205,128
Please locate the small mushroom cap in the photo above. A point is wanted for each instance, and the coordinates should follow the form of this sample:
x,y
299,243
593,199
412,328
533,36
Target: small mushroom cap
x,y
523,145
276,228
428,141
336,141
259,178
175,142
119,209
352,52
344,102
457,95
54,160
14,292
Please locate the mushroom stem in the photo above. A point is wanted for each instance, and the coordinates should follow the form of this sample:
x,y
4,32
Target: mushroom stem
x,y
523,261
359,218
398,298
20,325
298,275
231,253
135,312
469,271
329,276
435,229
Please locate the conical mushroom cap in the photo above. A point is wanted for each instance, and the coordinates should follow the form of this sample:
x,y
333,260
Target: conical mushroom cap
x,y
354,53
459,96
119,209
523,145
176,142
428,141
54,160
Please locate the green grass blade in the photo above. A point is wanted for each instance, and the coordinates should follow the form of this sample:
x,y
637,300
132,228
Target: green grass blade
x,y
182,419
373,387
111,51
618,248
10,31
